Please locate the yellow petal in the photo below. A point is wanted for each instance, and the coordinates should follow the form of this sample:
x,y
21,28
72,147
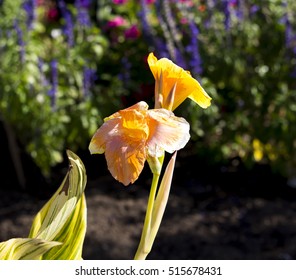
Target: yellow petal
x,y
152,60
186,85
166,132
125,159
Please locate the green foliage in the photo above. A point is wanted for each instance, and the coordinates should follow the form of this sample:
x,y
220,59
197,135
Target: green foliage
x,y
252,71
246,54
43,94
242,52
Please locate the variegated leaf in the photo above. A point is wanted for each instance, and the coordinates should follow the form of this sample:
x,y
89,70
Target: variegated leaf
x,y
25,248
63,217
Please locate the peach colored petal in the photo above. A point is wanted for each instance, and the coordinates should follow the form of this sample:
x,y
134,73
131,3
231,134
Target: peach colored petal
x,y
125,159
122,137
167,132
128,135
98,142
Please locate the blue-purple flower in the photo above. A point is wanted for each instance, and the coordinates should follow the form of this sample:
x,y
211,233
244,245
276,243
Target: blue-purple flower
x,y
54,82
83,14
193,49
89,76
29,6
226,14
68,27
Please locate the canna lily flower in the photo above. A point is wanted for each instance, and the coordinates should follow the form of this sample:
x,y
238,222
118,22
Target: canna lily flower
x,y
135,134
173,85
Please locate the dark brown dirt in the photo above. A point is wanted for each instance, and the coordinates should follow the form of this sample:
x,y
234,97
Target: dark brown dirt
x,y
213,214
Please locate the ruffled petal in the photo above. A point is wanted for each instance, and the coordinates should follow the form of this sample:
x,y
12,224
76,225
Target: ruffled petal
x,y
134,124
125,159
122,137
166,132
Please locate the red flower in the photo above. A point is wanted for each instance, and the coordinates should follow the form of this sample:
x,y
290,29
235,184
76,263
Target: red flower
x,y
52,14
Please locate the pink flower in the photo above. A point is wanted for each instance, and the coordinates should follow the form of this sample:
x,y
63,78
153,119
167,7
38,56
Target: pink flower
x,y
40,2
132,32
119,2
184,20
117,21
150,1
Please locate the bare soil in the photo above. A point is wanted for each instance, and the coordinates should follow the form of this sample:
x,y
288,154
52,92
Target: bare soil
x,y
212,213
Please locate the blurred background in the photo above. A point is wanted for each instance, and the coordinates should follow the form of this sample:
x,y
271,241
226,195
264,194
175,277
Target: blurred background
x,y
65,65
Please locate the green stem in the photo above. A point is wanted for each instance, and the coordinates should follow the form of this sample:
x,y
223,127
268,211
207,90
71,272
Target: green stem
x,y
146,242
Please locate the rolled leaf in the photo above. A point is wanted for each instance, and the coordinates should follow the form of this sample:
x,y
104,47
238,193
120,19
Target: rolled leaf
x,y
63,217
25,248
153,218
162,195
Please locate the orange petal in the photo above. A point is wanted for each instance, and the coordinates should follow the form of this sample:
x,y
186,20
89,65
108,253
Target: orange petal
x,y
134,124
125,159
166,132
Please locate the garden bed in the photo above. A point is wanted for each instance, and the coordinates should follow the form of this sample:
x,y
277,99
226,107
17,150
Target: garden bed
x,y
217,214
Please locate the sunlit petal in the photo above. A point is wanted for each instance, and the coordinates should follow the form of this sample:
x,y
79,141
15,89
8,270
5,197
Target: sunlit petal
x,y
98,142
125,159
134,124
167,132
186,85
129,136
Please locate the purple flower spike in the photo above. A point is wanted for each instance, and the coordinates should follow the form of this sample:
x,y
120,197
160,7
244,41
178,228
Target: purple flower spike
x,y
226,14
29,6
193,49
83,15
68,28
89,76
54,82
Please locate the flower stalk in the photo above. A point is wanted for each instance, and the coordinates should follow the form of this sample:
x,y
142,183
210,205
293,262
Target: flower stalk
x,y
155,209
147,239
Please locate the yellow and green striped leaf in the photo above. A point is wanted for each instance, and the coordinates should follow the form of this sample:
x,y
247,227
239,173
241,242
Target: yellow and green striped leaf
x,y
63,217
25,248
